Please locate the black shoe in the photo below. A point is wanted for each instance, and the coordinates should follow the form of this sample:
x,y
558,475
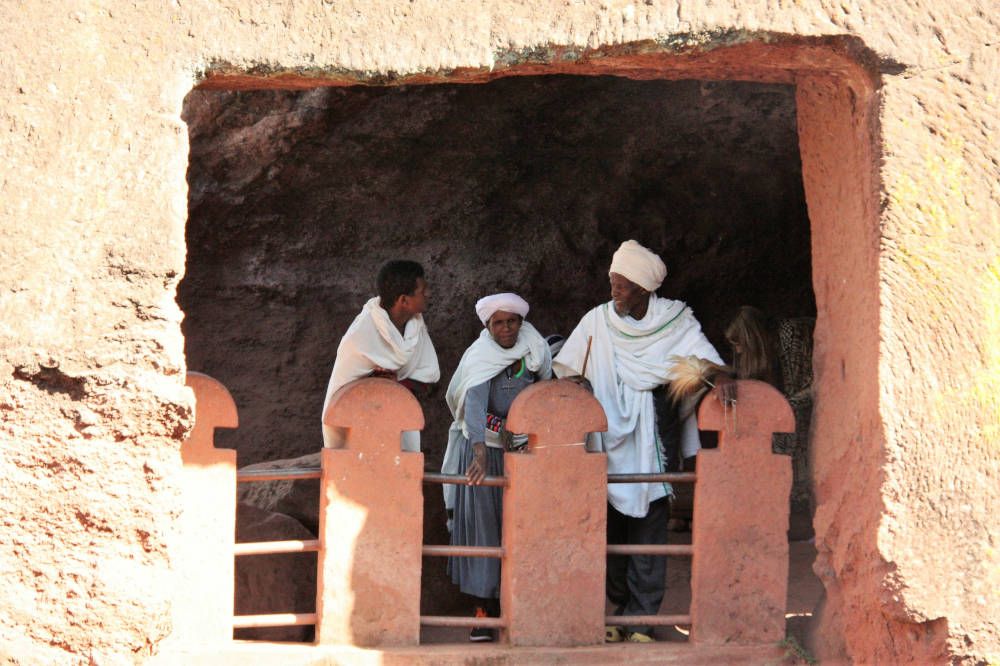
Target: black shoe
x,y
481,635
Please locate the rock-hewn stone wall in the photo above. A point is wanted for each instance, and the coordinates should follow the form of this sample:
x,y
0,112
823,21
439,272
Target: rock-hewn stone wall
x,y
92,219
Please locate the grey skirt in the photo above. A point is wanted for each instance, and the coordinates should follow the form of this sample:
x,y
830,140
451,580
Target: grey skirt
x,y
477,520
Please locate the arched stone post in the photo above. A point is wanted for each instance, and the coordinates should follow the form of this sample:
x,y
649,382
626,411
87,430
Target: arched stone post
x,y
554,522
206,529
739,575
371,520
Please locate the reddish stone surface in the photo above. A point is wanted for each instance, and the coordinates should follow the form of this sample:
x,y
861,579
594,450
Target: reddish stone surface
x,y
555,515
739,572
837,119
203,552
494,654
897,107
371,520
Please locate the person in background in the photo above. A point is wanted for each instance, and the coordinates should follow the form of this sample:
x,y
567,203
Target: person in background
x,y
755,354
781,355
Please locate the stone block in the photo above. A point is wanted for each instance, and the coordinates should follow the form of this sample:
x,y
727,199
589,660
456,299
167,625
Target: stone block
x,y
739,574
555,518
203,552
371,519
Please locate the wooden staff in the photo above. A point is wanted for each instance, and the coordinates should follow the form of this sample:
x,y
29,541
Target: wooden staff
x,y
586,357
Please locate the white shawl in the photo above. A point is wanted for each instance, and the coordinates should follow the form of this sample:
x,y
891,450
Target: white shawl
x,y
373,341
481,362
628,359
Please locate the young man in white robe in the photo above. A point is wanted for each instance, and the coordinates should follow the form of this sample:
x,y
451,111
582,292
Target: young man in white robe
x,y
633,339
388,339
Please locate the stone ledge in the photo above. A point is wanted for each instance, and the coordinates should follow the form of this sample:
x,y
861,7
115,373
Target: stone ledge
x,y
241,653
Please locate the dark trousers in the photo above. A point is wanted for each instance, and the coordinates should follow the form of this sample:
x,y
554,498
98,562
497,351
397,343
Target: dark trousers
x,y
635,583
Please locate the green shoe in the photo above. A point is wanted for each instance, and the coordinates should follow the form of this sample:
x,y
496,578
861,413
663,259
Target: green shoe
x,y
613,635
639,637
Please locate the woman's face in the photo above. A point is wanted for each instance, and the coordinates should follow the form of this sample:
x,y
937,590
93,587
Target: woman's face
x,y
504,327
734,344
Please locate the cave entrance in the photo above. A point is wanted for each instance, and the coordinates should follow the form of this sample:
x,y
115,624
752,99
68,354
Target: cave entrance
x,y
524,183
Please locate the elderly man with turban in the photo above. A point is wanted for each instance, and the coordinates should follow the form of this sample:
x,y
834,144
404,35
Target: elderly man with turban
x,y
632,339
507,357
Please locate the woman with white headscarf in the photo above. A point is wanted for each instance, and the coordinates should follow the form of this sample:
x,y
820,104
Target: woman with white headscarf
x,y
508,356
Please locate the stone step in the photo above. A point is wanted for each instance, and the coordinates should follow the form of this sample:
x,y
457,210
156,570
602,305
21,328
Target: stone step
x,y
244,653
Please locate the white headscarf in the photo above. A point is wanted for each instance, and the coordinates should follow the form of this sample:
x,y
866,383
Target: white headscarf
x,y
487,306
639,265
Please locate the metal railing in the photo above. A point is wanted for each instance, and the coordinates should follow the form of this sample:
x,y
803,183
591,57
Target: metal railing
x,y
276,547
289,474
650,549
463,551
612,549
313,545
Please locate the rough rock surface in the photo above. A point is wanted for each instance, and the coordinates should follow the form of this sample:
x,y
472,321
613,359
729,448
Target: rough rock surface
x,y
896,115
297,499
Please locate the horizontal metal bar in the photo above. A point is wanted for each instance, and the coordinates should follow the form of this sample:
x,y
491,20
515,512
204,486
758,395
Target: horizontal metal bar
x,y
646,620
650,549
461,479
451,621
669,477
287,474
272,547
275,620
462,551
301,473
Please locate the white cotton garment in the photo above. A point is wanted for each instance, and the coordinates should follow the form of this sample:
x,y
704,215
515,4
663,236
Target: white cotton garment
x,y
373,341
628,359
481,362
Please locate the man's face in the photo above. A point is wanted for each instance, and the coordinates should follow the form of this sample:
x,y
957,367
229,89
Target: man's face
x,y
416,302
627,295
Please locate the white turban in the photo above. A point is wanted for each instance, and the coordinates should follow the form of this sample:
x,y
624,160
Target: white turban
x,y
487,305
639,265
